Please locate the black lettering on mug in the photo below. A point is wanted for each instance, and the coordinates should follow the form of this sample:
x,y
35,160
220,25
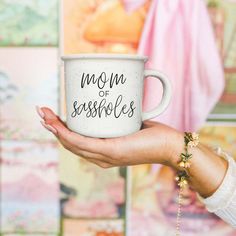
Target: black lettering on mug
x,y
104,108
102,80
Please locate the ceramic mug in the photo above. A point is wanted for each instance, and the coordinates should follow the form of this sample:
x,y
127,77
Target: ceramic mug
x,y
104,94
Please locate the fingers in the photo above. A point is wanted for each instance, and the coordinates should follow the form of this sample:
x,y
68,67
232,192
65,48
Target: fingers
x,y
65,136
53,120
70,140
54,124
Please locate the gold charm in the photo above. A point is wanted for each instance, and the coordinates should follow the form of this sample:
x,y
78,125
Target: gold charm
x,y
182,164
183,183
187,164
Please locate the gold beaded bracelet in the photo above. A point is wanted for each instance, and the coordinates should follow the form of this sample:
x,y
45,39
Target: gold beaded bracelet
x,y
190,140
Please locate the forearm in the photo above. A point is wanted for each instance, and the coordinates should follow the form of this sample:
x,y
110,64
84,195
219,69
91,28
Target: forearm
x,y
207,169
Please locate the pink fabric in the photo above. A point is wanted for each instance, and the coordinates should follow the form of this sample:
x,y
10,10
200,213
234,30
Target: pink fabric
x,y
179,40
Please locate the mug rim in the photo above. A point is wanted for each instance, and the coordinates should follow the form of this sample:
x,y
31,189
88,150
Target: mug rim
x,y
104,56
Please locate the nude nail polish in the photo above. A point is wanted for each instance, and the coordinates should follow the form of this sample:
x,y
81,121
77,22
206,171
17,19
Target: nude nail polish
x,y
40,112
49,127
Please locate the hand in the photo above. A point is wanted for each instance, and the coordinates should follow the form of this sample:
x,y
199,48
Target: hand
x,y
152,144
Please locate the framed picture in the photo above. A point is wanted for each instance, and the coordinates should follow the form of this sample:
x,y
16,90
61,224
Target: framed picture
x,y
223,18
29,77
29,187
29,23
100,26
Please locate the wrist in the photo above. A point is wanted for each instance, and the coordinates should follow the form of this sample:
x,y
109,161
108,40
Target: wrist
x,y
176,147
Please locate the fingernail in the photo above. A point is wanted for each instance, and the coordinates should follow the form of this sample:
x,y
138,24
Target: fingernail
x,y
40,112
49,127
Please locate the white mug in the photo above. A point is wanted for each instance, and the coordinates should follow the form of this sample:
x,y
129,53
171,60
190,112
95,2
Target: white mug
x,y
104,94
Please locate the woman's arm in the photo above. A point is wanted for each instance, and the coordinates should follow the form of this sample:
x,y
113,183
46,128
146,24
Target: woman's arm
x,y
155,143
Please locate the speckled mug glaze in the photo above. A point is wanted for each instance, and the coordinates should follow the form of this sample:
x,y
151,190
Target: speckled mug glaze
x,y
104,94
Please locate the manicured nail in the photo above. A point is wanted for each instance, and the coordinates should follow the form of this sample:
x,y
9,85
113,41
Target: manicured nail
x,y
40,112
49,127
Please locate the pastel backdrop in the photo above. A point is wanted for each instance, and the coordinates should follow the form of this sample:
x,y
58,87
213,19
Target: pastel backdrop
x,y
45,190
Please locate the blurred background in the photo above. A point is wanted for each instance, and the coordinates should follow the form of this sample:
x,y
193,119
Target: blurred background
x,y
44,189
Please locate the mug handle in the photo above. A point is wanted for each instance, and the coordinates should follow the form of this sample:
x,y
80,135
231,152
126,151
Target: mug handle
x,y
165,97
